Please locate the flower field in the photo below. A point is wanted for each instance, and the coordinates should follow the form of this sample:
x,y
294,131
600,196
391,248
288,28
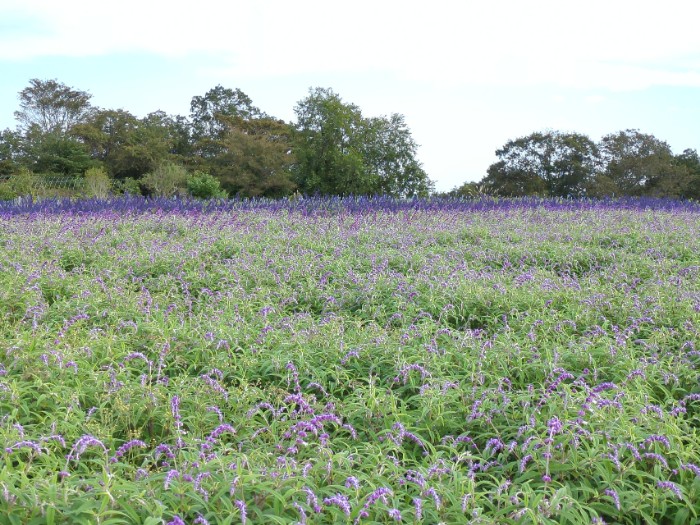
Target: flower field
x,y
349,361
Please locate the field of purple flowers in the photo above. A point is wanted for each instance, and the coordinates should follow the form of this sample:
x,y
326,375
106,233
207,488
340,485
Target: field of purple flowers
x,y
349,361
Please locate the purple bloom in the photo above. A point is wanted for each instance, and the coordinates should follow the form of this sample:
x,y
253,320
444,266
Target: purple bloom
x,y
415,477
352,482
615,497
656,457
658,439
302,513
221,429
82,444
554,425
604,386
433,494
177,520
242,509
25,444
524,461
198,484
691,467
669,485
418,506
493,445
340,501
312,500
380,494
125,448
169,477
395,514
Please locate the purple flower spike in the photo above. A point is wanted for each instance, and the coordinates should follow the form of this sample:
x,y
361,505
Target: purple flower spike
x,y
243,510
395,514
615,497
125,448
340,501
669,485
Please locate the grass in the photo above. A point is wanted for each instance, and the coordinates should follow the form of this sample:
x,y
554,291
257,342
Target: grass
x,y
512,364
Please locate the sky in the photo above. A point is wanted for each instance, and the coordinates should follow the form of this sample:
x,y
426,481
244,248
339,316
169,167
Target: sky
x,y
467,75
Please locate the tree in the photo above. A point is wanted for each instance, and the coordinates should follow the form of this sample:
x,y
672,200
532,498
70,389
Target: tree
x,y
468,189
51,107
338,151
166,180
11,152
208,113
551,163
328,146
390,158
256,158
690,162
636,162
507,181
54,153
128,146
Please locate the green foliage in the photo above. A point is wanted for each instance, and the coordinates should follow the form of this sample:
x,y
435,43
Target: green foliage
x,y
209,114
689,164
166,180
51,107
11,152
505,366
96,183
128,186
552,163
636,162
570,165
128,146
21,184
469,190
257,158
518,365
338,151
204,186
54,153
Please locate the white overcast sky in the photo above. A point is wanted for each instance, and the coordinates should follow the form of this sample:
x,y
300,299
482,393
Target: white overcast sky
x,y
467,75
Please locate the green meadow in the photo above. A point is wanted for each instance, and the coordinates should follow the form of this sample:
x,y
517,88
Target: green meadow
x,y
520,363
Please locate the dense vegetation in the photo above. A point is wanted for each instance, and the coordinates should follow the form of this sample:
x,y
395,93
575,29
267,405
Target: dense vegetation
x,y
349,361
64,146
332,149
556,164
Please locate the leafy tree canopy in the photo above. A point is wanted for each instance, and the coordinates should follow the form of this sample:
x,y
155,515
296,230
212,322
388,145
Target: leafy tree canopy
x,y
338,151
551,163
51,107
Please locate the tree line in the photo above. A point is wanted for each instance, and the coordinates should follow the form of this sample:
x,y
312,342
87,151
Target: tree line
x,y
557,164
226,145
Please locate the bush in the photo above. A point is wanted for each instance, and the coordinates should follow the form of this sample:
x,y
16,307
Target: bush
x,y
204,186
167,180
128,186
22,184
6,192
97,183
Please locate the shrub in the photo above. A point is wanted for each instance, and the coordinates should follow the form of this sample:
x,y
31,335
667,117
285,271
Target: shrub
x,y
6,193
21,184
205,186
129,186
167,180
97,183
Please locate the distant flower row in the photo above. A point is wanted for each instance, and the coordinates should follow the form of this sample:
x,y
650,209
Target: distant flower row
x,y
321,205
